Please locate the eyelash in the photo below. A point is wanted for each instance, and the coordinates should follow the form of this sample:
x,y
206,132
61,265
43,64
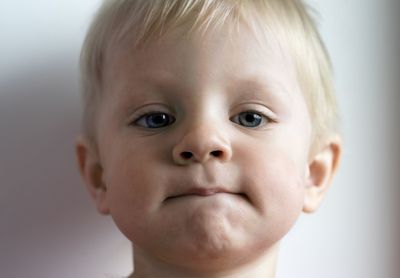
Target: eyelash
x,y
235,119
143,116
263,118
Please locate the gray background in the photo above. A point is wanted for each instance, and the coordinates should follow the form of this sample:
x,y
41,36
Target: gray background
x,y
48,225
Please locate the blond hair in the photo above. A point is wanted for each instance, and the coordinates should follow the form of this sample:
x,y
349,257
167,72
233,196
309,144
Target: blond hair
x,y
143,20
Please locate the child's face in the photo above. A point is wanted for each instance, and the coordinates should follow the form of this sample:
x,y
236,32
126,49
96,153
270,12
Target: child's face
x,y
204,145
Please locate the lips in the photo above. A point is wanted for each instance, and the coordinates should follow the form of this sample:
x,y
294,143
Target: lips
x,y
202,192
199,191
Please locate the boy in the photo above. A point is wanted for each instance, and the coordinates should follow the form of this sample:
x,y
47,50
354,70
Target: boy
x,y
209,126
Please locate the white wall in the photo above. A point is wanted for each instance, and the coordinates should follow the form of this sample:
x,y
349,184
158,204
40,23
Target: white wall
x,y
49,227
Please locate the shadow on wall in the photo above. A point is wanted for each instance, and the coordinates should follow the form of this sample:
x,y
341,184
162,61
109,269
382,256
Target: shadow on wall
x,y
395,145
396,126
45,210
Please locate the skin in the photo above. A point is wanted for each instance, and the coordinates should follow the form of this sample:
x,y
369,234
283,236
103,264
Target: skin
x,y
204,194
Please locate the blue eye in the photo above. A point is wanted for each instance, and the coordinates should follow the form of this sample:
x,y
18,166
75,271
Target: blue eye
x,y
248,119
155,120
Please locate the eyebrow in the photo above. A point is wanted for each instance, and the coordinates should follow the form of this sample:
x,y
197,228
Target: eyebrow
x,y
160,78
251,87
254,87
146,87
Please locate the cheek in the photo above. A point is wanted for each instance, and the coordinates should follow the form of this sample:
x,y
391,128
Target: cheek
x,y
132,190
129,172
275,183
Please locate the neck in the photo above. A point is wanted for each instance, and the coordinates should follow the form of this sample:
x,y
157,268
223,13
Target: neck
x,y
263,266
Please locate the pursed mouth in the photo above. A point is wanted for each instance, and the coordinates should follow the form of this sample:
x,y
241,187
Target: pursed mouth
x,y
204,192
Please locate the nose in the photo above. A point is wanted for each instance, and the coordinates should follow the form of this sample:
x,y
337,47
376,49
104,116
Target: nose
x,y
201,144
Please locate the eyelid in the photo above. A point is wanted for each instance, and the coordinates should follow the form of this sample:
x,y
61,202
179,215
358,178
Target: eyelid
x,y
256,107
140,116
143,123
265,119
146,109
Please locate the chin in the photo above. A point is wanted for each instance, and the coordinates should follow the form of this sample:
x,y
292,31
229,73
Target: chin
x,y
213,252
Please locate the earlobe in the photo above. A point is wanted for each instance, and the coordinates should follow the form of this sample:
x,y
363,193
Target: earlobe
x,y
92,173
321,170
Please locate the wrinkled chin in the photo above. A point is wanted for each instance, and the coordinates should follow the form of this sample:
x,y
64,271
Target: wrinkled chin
x,y
213,250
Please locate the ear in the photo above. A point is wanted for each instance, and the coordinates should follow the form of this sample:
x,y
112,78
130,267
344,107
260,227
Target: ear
x,y
321,169
92,173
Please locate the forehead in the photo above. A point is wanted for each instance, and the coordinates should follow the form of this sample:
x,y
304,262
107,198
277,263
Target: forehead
x,y
245,54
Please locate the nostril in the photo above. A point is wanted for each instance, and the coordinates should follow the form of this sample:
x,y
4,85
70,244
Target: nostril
x,y
216,153
186,155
